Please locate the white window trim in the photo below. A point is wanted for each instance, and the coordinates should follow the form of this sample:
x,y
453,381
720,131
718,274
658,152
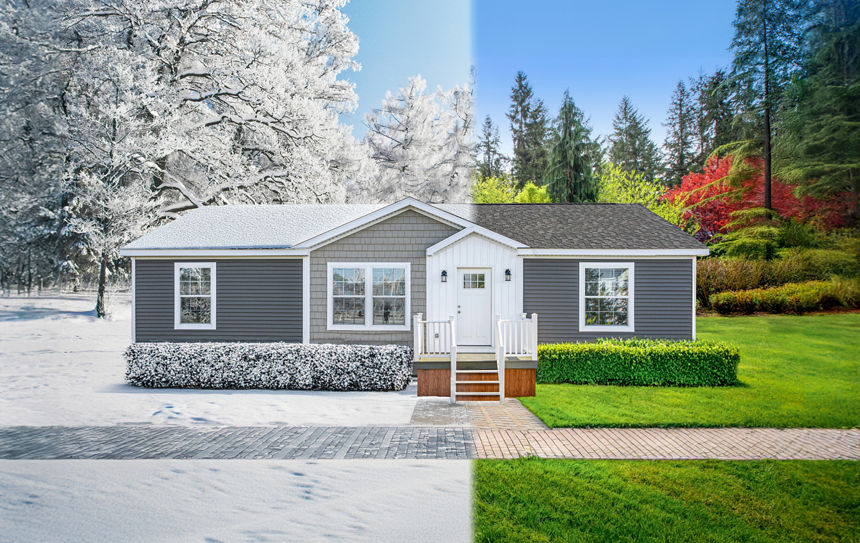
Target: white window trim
x,y
368,297
177,313
629,327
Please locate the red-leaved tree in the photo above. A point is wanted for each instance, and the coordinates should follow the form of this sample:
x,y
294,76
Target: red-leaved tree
x,y
711,200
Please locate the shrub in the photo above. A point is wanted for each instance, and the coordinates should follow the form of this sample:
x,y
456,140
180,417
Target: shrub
x,y
715,275
269,365
790,298
640,362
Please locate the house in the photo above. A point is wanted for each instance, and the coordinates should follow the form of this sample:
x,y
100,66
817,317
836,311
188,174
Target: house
x,y
473,287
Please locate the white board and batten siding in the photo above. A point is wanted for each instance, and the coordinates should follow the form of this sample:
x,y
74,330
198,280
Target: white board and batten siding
x,y
474,251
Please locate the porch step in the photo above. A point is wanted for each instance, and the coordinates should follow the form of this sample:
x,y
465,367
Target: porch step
x,y
476,371
477,393
476,382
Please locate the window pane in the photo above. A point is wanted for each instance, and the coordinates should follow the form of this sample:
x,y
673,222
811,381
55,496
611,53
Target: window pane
x,y
591,317
473,280
348,281
389,311
194,280
389,281
348,311
195,310
606,281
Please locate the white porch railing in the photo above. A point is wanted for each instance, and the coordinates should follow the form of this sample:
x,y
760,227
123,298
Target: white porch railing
x,y
436,338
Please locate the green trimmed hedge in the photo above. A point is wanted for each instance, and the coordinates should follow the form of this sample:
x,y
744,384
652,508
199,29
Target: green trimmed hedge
x,y
793,298
639,362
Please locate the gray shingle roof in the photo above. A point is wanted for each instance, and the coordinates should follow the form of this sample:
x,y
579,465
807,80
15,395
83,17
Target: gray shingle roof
x,y
539,226
250,226
577,226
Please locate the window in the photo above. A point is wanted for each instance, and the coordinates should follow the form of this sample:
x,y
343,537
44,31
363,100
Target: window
x,y
368,296
473,280
606,296
194,295
348,295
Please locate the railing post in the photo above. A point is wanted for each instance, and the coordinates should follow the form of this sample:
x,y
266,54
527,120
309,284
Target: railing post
x,y
452,323
416,336
534,335
501,347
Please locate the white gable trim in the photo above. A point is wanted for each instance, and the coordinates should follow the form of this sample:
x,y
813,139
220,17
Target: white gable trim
x,y
394,209
477,230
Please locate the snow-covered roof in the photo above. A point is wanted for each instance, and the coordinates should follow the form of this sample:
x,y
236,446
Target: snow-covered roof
x,y
250,226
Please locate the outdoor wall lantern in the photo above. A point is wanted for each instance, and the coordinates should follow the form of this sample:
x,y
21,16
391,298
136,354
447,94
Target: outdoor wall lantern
x,y
508,274
444,276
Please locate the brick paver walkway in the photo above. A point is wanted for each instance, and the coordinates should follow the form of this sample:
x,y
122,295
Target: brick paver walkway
x,y
671,444
511,415
422,442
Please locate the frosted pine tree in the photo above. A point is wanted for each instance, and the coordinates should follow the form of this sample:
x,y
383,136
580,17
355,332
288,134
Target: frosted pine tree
x,y
422,143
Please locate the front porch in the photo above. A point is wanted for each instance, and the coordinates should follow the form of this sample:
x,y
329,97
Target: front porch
x,y
510,369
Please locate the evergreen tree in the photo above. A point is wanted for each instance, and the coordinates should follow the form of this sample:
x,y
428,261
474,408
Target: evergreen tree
x,y
537,131
819,144
570,173
491,160
680,144
528,119
630,145
766,48
712,115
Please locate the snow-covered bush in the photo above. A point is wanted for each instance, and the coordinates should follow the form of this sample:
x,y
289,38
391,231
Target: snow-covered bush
x,y
269,365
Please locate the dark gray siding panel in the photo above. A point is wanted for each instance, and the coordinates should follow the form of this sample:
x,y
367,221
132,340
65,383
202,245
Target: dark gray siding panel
x,y
257,300
663,298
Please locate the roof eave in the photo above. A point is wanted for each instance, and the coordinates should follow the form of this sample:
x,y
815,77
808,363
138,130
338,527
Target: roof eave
x,y
704,251
213,252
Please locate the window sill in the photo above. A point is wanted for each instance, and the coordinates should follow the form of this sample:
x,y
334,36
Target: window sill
x,y
194,327
369,328
606,328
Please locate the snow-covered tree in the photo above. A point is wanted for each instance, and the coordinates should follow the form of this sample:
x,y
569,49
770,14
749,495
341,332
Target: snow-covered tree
x,y
199,102
422,143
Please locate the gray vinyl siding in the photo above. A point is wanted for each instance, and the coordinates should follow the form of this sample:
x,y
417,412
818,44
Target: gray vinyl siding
x,y
256,300
662,303
402,238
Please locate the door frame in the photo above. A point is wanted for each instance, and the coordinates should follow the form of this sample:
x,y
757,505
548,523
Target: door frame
x,y
489,276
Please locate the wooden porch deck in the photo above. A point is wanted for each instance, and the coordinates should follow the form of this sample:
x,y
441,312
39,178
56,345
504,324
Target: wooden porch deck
x,y
472,357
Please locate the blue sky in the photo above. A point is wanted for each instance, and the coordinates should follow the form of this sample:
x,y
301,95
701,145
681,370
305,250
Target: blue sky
x,y
401,38
600,50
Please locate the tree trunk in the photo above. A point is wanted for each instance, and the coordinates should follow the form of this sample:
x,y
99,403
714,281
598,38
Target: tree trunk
x,y
767,158
100,292
29,272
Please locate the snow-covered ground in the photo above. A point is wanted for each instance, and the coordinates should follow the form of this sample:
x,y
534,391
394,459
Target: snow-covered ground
x,y
59,365
234,500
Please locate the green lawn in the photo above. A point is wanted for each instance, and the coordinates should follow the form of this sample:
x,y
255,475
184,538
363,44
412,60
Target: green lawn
x,y
795,371
571,500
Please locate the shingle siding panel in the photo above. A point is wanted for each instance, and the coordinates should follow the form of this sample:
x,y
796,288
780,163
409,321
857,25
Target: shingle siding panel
x,y
402,238
662,298
256,300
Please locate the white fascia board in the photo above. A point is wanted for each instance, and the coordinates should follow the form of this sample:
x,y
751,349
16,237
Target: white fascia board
x,y
397,207
613,252
479,230
194,253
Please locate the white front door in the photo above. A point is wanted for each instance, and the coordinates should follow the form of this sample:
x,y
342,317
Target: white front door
x,y
474,307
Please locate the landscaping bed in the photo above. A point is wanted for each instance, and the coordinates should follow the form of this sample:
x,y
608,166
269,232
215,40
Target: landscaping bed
x,y
585,500
795,371
791,298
